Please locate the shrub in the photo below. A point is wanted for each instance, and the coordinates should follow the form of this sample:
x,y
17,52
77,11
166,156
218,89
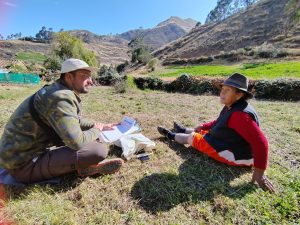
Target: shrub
x,y
241,51
282,53
201,60
201,87
283,89
175,62
121,86
188,84
64,45
181,84
152,64
52,63
121,67
269,51
141,55
152,82
109,76
229,56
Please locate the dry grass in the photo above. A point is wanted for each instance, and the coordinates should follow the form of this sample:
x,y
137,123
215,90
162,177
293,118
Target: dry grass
x,y
177,185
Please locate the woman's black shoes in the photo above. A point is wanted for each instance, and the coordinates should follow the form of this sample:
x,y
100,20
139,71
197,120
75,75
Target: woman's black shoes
x,y
165,132
178,128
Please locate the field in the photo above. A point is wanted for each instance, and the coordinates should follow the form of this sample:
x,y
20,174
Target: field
x,y
177,185
258,70
34,57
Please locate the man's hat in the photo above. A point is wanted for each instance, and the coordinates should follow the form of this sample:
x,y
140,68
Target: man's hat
x,y
70,65
238,81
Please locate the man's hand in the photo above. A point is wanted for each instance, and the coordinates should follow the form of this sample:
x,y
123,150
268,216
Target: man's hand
x,y
262,180
102,126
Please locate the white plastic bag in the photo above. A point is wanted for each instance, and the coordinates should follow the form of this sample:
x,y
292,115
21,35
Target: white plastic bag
x,y
133,143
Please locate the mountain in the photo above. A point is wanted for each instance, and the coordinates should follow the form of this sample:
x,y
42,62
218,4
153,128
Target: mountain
x,y
165,32
109,49
267,21
9,48
186,24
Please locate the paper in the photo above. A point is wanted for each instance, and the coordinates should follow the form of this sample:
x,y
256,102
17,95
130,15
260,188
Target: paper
x,y
127,126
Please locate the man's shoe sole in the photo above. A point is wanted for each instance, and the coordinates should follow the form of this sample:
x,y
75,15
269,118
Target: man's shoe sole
x,y
108,167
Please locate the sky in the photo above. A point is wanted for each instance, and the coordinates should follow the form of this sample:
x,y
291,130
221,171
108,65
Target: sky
x,y
101,17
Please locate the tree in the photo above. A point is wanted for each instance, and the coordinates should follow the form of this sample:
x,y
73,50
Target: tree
x,y
109,75
140,52
226,8
53,63
64,46
45,34
198,24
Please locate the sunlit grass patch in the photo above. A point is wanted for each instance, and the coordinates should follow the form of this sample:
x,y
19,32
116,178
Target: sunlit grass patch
x,y
266,70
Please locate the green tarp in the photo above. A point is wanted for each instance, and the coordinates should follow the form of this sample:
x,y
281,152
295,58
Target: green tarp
x,y
19,78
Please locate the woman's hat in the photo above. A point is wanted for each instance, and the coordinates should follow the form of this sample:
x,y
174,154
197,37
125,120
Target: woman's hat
x,y
238,81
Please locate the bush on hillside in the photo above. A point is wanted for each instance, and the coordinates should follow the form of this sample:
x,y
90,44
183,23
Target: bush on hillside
x,y
201,60
229,56
152,64
65,46
269,51
153,83
121,86
182,84
52,63
175,62
188,84
109,76
121,67
283,89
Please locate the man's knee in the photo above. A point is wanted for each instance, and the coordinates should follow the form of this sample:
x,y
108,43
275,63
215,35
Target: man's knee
x,y
91,154
99,151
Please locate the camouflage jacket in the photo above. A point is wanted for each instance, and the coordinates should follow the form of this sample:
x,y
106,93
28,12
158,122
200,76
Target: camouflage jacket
x,y
60,108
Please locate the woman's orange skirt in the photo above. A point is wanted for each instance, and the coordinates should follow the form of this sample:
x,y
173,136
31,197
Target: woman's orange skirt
x,y
201,145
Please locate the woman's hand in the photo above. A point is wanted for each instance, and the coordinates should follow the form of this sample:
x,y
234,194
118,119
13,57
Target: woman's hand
x,y
198,129
262,180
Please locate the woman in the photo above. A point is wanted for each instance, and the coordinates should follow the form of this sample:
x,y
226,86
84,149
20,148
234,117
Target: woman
x,y
234,137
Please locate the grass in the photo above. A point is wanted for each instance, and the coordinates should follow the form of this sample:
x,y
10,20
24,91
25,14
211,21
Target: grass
x,y
34,57
177,185
252,70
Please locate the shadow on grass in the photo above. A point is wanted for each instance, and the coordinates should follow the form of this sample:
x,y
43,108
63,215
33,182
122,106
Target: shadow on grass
x,y
199,179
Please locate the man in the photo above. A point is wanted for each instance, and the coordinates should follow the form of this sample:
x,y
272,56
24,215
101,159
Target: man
x,y
52,116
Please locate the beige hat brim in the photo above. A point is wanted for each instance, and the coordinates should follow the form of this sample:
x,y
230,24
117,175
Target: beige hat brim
x,y
90,68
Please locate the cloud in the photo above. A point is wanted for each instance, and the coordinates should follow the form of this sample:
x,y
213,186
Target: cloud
x,y
10,4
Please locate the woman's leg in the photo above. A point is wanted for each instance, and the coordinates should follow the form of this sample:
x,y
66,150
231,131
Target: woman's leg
x,y
184,138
